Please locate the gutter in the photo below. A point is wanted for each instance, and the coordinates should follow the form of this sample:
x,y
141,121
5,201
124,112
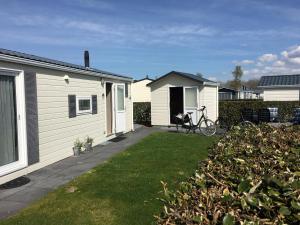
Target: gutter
x,y
279,86
30,62
211,83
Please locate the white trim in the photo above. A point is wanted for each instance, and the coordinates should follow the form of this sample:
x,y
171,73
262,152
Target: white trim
x,y
82,112
15,59
211,83
21,124
117,104
112,109
197,103
278,86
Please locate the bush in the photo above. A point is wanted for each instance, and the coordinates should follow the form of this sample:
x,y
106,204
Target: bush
x,y
251,176
142,113
231,110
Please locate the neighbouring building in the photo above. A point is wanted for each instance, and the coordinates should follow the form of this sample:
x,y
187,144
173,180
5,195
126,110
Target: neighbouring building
x,y
47,104
227,94
243,93
179,92
140,91
280,87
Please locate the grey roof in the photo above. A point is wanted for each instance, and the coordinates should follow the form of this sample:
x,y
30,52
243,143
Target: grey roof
x,y
279,80
198,78
56,62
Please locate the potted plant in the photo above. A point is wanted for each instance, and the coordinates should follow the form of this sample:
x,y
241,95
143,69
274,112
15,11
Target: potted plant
x,y
88,143
77,147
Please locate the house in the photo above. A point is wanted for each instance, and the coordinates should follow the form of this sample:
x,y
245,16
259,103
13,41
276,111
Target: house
x,y
231,94
280,87
227,94
179,92
245,93
140,91
47,104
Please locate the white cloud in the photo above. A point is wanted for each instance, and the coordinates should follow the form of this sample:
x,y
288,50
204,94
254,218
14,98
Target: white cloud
x,y
212,78
279,63
268,57
288,62
243,62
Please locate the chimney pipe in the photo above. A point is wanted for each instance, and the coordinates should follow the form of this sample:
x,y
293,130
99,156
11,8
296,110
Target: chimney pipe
x,y
86,58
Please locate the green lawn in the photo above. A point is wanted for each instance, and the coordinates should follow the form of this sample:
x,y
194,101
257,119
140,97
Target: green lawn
x,y
124,189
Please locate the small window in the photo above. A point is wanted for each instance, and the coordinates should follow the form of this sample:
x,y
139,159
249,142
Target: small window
x,y
84,105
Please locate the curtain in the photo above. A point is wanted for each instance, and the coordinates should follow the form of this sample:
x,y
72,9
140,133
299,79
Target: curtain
x,y
191,97
8,127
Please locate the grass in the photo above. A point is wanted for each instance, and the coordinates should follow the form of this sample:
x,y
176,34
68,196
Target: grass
x,y
124,189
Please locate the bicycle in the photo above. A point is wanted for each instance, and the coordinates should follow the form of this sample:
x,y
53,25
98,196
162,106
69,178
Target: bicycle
x,y
206,126
245,121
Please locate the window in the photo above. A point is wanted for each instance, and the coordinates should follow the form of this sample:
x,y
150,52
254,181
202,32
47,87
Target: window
x,y
191,97
84,105
120,94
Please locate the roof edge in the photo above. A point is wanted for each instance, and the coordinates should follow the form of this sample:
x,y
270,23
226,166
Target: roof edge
x,y
209,83
145,78
31,62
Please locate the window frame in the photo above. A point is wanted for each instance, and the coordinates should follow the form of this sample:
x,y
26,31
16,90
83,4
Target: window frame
x,y
82,112
21,122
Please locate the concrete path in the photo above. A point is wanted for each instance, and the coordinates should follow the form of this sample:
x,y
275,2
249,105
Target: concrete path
x,y
57,174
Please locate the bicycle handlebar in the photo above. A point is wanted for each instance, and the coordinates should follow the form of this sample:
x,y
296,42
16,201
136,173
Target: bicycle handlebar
x,y
202,108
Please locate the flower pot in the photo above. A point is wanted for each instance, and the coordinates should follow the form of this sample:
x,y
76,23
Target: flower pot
x,y
88,147
76,151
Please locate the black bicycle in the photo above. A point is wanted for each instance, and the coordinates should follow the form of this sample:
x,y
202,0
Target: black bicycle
x,y
206,126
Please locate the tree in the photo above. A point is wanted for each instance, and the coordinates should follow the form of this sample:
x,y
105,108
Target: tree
x,y
236,83
252,83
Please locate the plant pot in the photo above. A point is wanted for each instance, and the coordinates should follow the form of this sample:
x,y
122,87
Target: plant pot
x,y
76,151
88,147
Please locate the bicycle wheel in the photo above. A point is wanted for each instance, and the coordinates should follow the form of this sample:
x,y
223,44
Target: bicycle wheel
x,y
207,127
247,123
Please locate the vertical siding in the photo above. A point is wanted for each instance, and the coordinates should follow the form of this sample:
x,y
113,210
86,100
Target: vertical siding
x,y
282,94
209,98
129,109
141,92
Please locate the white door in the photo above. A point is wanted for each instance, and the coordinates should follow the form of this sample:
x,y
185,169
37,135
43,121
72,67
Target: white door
x,y
190,102
120,107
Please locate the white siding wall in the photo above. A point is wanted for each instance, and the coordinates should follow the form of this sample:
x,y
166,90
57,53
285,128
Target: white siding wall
x,y
209,98
57,132
281,94
140,92
160,114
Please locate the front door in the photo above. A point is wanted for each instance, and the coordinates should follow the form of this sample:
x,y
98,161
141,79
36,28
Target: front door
x,y
176,102
120,107
109,108
190,102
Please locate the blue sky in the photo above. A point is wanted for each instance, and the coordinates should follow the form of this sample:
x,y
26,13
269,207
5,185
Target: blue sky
x,y
140,37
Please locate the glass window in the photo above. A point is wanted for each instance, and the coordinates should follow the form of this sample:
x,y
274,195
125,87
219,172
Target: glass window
x,y
84,105
8,122
191,97
120,94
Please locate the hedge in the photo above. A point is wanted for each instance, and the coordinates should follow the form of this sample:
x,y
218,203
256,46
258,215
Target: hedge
x,y
142,113
251,177
231,110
